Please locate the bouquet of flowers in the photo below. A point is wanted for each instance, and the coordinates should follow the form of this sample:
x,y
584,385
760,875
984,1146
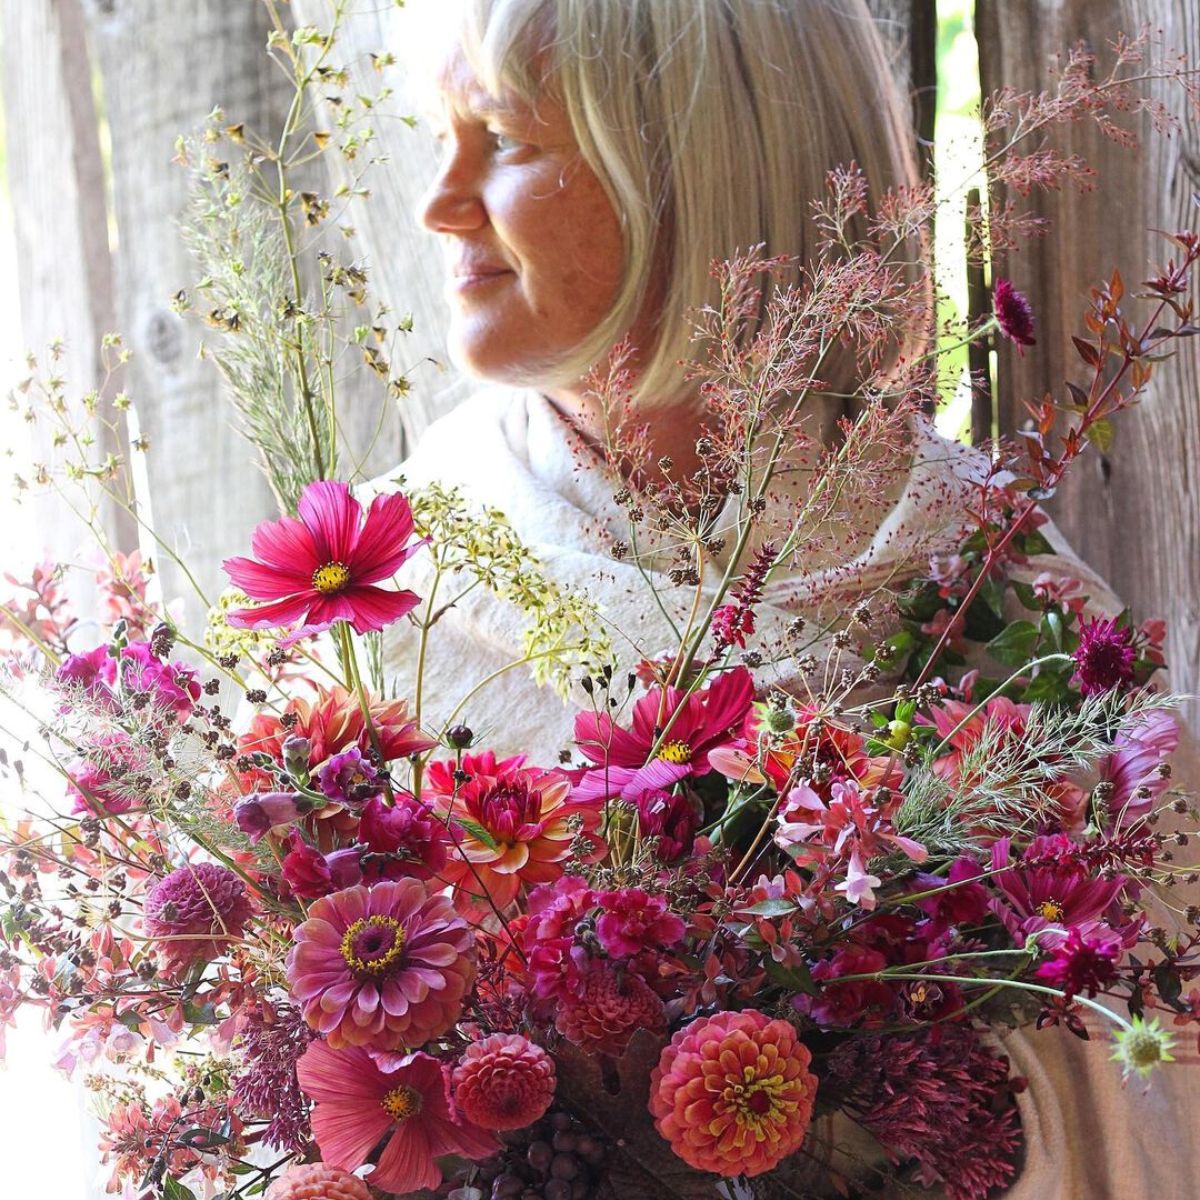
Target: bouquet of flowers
x,y
791,880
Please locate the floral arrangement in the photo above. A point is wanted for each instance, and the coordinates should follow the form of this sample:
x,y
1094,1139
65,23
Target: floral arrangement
x,y
785,885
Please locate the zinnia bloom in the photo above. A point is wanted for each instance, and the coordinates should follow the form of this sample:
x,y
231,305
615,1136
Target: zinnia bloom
x,y
695,725
317,1181
357,1103
195,913
512,828
319,569
1104,658
1014,314
732,1093
503,1082
386,966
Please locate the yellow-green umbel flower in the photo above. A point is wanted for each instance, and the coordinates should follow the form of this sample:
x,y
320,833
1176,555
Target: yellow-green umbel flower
x,y
1142,1046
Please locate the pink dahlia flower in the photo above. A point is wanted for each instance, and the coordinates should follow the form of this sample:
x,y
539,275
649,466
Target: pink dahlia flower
x,y
317,1181
195,913
732,1093
503,1082
357,1103
608,1010
695,724
1136,765
386,966
319,569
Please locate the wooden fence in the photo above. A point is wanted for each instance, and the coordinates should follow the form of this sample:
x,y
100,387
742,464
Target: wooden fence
x,y
141,72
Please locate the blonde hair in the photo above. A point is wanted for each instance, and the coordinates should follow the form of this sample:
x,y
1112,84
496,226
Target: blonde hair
x,y
711,124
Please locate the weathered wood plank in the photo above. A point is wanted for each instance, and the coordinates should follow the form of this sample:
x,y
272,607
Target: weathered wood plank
x,y
163,69
56,182
1132,513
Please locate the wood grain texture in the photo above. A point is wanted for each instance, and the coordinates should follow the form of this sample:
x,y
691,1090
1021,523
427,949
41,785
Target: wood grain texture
x,y
1134,513
56,183
164,67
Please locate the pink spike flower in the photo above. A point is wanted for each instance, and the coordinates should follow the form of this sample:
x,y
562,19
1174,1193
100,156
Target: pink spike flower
x,y
321,568
357,1103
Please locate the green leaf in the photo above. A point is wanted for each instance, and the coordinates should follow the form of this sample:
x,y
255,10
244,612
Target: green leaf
x,y
1046,686
1024,593
174,1190
1052,628
477,831
1035,543
797,978
772,908
1014,645
1100,434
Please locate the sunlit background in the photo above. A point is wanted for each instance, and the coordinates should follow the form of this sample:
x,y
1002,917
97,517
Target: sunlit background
x,y
46,1138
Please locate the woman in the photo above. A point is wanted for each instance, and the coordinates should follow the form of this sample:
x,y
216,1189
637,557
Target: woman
x,y
597,156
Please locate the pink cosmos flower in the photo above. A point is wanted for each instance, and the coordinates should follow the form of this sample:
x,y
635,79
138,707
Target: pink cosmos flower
x,y
695,724
386,966
357,1104
319,569
1050,887
1138,753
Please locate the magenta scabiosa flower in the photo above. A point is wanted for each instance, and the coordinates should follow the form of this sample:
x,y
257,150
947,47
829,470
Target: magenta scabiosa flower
x,y
503,1082
1104,658
322,568
196,913
386,966
1014,314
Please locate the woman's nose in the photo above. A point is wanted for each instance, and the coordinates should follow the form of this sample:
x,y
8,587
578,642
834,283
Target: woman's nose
x,y
453,203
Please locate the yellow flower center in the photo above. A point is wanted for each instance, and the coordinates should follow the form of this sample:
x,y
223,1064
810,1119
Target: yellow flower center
x,y
758,1102
372,946
332,577
676,752
401,1103
1051,910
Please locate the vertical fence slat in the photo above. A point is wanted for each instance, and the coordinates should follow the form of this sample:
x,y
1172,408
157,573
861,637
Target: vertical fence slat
x,y
1132,513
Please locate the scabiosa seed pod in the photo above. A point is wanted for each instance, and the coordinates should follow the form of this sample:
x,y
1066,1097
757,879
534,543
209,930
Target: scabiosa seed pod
x,y
503,1082
317,1181
195,913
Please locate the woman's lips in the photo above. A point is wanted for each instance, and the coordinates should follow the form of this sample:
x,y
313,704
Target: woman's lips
x,y
476,277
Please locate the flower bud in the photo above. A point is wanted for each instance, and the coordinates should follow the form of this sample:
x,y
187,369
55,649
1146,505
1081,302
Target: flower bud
x,y
460,737
295,757
259,813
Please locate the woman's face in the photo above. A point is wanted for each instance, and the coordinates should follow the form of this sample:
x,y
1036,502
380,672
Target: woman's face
x,y
533,247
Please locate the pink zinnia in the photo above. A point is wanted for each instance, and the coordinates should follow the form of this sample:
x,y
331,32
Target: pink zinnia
x,y
732,1093
357,1103
1014,314
195,913
503,1082
319,569
695,725
386,966
1104,658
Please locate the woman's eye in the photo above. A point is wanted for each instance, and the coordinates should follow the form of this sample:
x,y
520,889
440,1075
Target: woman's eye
x,y
505,142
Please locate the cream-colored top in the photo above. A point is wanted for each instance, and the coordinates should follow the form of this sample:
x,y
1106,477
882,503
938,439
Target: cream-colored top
x,y
1087,1137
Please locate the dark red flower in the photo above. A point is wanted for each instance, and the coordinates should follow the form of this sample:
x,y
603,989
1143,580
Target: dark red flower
x,y
1104,659
672,819
1085,962
1014,314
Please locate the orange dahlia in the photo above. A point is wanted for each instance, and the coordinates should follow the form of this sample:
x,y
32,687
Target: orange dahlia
x,y
512,825
317,1181
607,1010
732,1093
